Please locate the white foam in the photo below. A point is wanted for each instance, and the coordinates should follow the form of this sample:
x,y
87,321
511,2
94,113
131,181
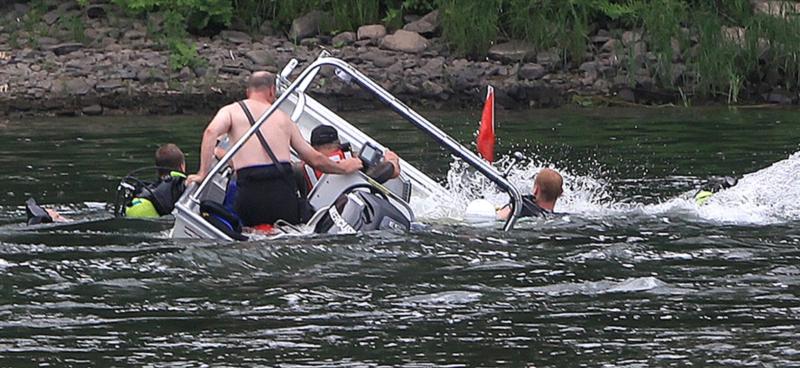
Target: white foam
x,y
768,196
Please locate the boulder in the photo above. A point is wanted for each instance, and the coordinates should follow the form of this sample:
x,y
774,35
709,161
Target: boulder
x,y
150,76
427,25
531,71
344,38
93,110
513,51
308,25
95,11
548,59
44,42
134,34
775,8
734,34
383,61
404,41
77,86
629,37
235,37
612,45
185,74
260,57
431,89
108,85
51,17
779,97
371,32
64,48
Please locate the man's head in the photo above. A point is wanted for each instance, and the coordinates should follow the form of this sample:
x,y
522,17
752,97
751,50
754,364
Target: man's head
x,y
547,187
261,85
171,158
325,139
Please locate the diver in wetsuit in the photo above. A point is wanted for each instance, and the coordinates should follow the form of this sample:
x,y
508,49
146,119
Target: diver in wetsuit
x,y
547,188
715,184
158,199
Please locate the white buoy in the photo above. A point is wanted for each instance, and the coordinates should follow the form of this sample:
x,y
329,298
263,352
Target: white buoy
x,y
480,211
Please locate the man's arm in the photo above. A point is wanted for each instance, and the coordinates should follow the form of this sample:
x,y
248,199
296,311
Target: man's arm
x,y
316,159
218,126
392,157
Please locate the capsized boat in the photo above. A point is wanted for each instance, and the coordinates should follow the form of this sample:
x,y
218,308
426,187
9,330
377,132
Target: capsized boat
x,y
343,203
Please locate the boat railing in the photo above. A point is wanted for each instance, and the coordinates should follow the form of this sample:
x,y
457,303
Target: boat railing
x,y
343,68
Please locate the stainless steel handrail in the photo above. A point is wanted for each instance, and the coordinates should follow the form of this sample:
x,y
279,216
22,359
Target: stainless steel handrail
x,y
398,106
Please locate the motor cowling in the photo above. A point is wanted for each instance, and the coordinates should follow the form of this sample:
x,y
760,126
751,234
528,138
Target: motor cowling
x,y
359,211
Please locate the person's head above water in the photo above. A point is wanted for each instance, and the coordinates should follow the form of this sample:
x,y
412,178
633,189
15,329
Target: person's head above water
x,y
325,139
547,188
261,86
171,158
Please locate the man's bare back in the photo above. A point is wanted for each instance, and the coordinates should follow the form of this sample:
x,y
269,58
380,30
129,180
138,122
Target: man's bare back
x,y
277,131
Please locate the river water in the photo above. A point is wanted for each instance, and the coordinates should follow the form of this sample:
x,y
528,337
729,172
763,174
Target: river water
x,y
634,274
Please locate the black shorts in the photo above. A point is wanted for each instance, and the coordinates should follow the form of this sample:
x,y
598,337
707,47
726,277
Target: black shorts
x,y
265,196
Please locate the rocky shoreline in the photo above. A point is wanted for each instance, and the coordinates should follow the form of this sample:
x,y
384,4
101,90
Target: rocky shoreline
x,y
119,67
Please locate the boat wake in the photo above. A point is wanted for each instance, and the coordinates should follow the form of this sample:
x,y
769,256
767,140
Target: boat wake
x,y
768,196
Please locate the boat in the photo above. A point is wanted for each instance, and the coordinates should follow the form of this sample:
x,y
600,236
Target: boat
x,y
412,189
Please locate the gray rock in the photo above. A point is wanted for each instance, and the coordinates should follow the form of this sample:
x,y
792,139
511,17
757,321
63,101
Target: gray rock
x,y
51,17
531,71
150,75
611,45
260,57
108,85
629,37
513,51
134,34
344,38
64,48
383,61
46,41
589,67
185,74
548,58
626,94
779,97
427,25
93,110
308,25
310,42
405,41
434,67
371,32
431,89
95,11
235,37
77,86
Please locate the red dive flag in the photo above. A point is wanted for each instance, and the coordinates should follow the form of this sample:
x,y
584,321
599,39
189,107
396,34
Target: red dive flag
x,y
485,141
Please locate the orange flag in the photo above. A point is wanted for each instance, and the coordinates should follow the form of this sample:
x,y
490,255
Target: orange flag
x,y
486,139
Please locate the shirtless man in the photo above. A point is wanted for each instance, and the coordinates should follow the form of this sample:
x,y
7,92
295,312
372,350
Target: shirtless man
x,y
265,193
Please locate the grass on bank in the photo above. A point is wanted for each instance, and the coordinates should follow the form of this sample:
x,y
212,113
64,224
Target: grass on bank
x,y
677,32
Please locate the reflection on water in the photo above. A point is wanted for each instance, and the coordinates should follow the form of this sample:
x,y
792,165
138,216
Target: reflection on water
x,y
634,275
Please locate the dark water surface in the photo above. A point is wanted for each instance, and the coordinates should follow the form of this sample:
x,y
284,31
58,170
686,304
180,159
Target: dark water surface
x,y
635,276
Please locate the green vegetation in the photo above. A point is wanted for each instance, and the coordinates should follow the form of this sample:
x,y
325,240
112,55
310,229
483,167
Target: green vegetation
x,y
721,47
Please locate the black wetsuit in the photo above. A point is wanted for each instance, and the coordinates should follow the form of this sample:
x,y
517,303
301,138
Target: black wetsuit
x,y
531,209
265,196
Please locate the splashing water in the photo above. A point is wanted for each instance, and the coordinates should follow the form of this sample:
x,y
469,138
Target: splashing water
x,y
768,196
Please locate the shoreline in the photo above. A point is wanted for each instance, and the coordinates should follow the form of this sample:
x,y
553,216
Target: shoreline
x,y
120,68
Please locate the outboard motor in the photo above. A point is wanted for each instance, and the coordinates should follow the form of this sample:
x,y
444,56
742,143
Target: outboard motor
x,y
361,210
